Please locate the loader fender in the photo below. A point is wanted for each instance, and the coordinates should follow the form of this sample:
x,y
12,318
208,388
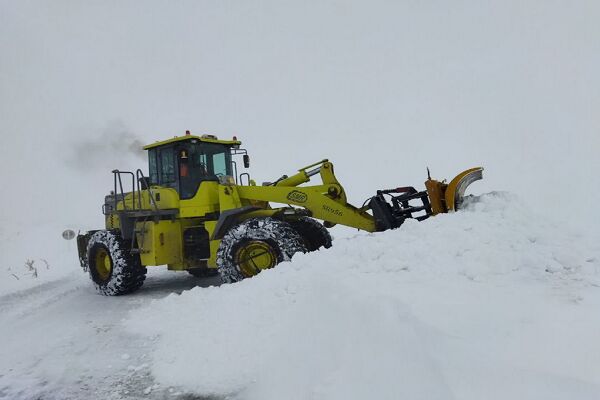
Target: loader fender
x,y
228,218
82,242
457,186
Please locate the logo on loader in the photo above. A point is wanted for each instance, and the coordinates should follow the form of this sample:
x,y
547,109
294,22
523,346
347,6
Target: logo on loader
x,y
297,197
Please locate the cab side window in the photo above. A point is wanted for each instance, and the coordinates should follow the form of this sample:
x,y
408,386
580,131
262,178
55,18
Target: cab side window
x,y
153,166
167,166
219,164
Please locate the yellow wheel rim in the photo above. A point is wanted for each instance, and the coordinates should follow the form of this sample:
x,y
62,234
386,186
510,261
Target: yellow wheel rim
x,y
103,264
254,256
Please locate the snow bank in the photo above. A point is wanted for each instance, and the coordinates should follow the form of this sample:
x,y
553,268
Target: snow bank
x,y
493,303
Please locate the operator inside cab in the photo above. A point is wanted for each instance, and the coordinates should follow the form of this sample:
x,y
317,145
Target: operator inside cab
x,y
191,173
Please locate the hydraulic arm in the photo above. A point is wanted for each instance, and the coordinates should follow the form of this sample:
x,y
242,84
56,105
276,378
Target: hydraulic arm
x,y
389,208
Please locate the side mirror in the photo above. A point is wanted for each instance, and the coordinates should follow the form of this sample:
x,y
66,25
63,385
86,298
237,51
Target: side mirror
x,y
246,161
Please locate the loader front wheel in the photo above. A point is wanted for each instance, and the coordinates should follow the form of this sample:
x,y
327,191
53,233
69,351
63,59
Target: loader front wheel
x,y
314,234
112,267
255,245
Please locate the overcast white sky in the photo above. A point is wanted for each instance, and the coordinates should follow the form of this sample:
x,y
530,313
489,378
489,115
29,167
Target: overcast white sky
x,y
383,88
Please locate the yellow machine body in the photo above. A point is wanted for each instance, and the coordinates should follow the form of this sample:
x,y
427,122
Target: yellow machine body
x,y
185,233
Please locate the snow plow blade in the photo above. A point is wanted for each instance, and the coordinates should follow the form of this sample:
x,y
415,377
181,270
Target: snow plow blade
x,y
449,197
391,207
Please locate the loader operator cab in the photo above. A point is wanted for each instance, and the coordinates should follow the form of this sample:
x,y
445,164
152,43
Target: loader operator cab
x,y
183,163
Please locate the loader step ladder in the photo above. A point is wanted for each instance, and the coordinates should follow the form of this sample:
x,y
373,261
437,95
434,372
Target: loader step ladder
x,y
138,183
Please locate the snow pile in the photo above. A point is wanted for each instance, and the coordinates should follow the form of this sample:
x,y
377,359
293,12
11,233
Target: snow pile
x,y
494,302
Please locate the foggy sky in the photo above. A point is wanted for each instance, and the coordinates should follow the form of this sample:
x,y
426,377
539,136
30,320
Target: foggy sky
x,y
382,88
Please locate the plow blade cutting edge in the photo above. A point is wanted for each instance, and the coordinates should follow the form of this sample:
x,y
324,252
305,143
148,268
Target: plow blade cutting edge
x,y
457,186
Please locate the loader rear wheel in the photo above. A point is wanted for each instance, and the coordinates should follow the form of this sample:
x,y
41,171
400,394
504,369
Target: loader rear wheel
x,y
255,245
313,232
112,267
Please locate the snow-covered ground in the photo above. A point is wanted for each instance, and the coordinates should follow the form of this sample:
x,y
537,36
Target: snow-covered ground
x,y
61,340
495,302
33,254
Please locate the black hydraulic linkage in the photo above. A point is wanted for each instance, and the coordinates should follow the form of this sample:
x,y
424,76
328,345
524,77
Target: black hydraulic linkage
x,y
391,214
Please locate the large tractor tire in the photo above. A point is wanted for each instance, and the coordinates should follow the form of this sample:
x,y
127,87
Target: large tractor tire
x,y
113,269
255,245
314,234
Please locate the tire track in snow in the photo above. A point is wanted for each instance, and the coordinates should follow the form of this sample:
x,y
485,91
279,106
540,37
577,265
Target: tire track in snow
x,y
29,301
61,340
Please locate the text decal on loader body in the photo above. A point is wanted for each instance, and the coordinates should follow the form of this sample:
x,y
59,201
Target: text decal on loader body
x,y
297,197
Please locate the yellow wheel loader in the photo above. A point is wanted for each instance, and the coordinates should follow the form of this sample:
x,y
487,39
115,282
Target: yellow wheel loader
x,y
195,211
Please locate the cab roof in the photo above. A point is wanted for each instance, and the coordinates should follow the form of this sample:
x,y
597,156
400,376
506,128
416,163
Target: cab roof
x,y
203,138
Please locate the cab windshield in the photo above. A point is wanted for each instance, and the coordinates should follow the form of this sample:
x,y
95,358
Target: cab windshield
x,y
205,159
201,162
184,166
